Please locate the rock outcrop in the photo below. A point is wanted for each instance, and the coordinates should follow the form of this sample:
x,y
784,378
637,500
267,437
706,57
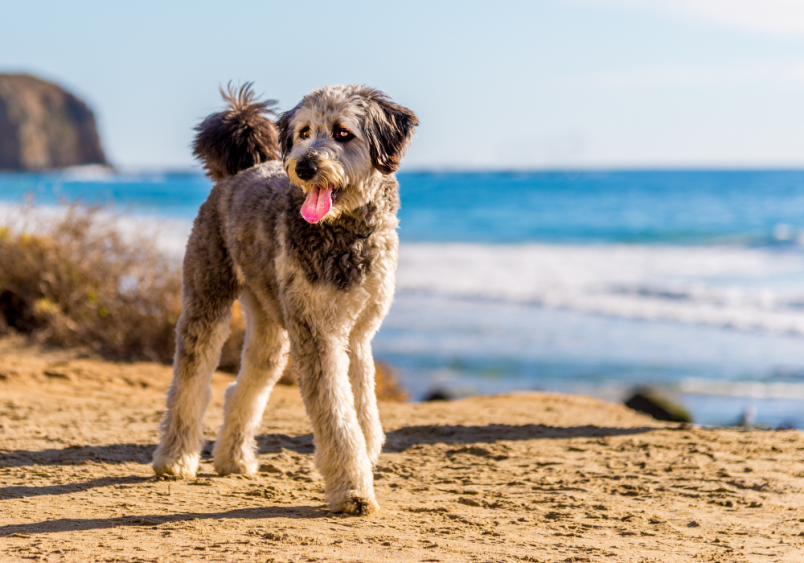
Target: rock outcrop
x,y
43,127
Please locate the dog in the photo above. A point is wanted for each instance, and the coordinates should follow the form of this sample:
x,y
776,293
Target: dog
x,y
301,227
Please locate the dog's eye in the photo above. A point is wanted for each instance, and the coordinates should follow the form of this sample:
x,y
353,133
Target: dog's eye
x,y
304,133
342,135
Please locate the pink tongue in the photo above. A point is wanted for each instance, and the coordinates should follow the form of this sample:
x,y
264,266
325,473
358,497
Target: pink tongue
x,y
317,204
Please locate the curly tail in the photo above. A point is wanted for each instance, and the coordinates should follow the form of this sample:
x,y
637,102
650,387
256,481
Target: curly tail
x,y
239,137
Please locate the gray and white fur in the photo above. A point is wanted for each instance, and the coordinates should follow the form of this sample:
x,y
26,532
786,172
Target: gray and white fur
x,y
317,291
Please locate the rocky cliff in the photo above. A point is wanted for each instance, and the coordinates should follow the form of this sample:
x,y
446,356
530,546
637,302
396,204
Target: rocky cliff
x,y
44,127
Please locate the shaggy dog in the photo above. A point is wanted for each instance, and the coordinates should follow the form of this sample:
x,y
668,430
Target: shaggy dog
x,y
301,227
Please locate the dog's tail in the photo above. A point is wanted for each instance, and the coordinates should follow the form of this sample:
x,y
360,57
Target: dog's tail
x,y
239,137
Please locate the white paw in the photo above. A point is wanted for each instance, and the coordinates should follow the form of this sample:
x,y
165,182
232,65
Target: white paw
x,y
353,502
238,460
185,466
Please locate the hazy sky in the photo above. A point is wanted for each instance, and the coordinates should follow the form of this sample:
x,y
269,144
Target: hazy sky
x,y
574,83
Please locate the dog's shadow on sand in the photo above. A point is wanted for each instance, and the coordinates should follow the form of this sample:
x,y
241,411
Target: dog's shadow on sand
x,y
23,491
151,520
397,440
406,437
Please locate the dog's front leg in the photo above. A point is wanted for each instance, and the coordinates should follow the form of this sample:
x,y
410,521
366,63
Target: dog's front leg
x,y
341,455
362,375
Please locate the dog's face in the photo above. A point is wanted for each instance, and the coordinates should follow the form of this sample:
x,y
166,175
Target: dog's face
x,y
336,140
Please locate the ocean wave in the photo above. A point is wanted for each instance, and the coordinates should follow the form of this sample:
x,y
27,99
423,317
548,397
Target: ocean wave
x,y
758,289
169,234
87,173
748,389
742,288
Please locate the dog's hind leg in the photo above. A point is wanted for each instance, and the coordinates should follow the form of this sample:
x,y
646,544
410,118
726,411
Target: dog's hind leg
x,y
209,290
263,361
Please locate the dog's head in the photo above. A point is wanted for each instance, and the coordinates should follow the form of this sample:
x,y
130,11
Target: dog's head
x,y
337,140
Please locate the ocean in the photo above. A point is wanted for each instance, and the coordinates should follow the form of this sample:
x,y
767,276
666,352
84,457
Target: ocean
x,y
573,282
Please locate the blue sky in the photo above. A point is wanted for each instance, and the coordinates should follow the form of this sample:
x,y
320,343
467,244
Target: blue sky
x,y
513,85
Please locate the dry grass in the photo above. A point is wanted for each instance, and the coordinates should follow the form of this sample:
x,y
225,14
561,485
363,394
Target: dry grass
x,y
80,282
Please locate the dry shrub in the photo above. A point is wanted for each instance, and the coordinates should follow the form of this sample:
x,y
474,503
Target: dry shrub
x,y
230,354
80,282
388,387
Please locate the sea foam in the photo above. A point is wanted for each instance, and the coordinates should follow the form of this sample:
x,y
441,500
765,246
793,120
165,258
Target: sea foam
x,y
736,287
742,288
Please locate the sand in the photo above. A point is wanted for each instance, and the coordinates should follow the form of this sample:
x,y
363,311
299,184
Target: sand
x,y
524,477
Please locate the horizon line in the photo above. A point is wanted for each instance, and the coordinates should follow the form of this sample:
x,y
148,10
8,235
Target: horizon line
x,y
447,169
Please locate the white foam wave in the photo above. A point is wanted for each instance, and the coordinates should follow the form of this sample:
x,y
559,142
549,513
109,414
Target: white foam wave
x,y
742,288
88,173
751,289
169,234
752,389
101,173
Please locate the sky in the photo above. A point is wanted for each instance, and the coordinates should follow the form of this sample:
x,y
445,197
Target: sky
x,y
496,85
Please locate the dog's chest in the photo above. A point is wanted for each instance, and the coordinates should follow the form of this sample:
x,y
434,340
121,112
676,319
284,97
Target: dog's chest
x,y
341,256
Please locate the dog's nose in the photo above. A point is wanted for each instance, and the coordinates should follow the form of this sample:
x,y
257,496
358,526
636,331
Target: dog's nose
x,y
306,169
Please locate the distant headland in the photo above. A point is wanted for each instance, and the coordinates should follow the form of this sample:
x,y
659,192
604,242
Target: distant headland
x,y
43,127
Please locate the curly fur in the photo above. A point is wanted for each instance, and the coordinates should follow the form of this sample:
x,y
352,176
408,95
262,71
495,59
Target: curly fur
x,y
239,137
319,291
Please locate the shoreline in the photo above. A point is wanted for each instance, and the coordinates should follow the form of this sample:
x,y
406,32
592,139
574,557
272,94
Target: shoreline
x,y
482,347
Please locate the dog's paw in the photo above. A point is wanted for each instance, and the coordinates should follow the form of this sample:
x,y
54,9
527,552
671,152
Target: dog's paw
x,y
238,460
354,503
229,466
361,505
184,466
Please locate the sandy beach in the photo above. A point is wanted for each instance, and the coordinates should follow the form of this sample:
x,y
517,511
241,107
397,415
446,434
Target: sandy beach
x,y
524,477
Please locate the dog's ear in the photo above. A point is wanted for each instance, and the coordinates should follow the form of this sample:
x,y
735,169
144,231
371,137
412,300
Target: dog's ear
x,y
285,131
389,128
